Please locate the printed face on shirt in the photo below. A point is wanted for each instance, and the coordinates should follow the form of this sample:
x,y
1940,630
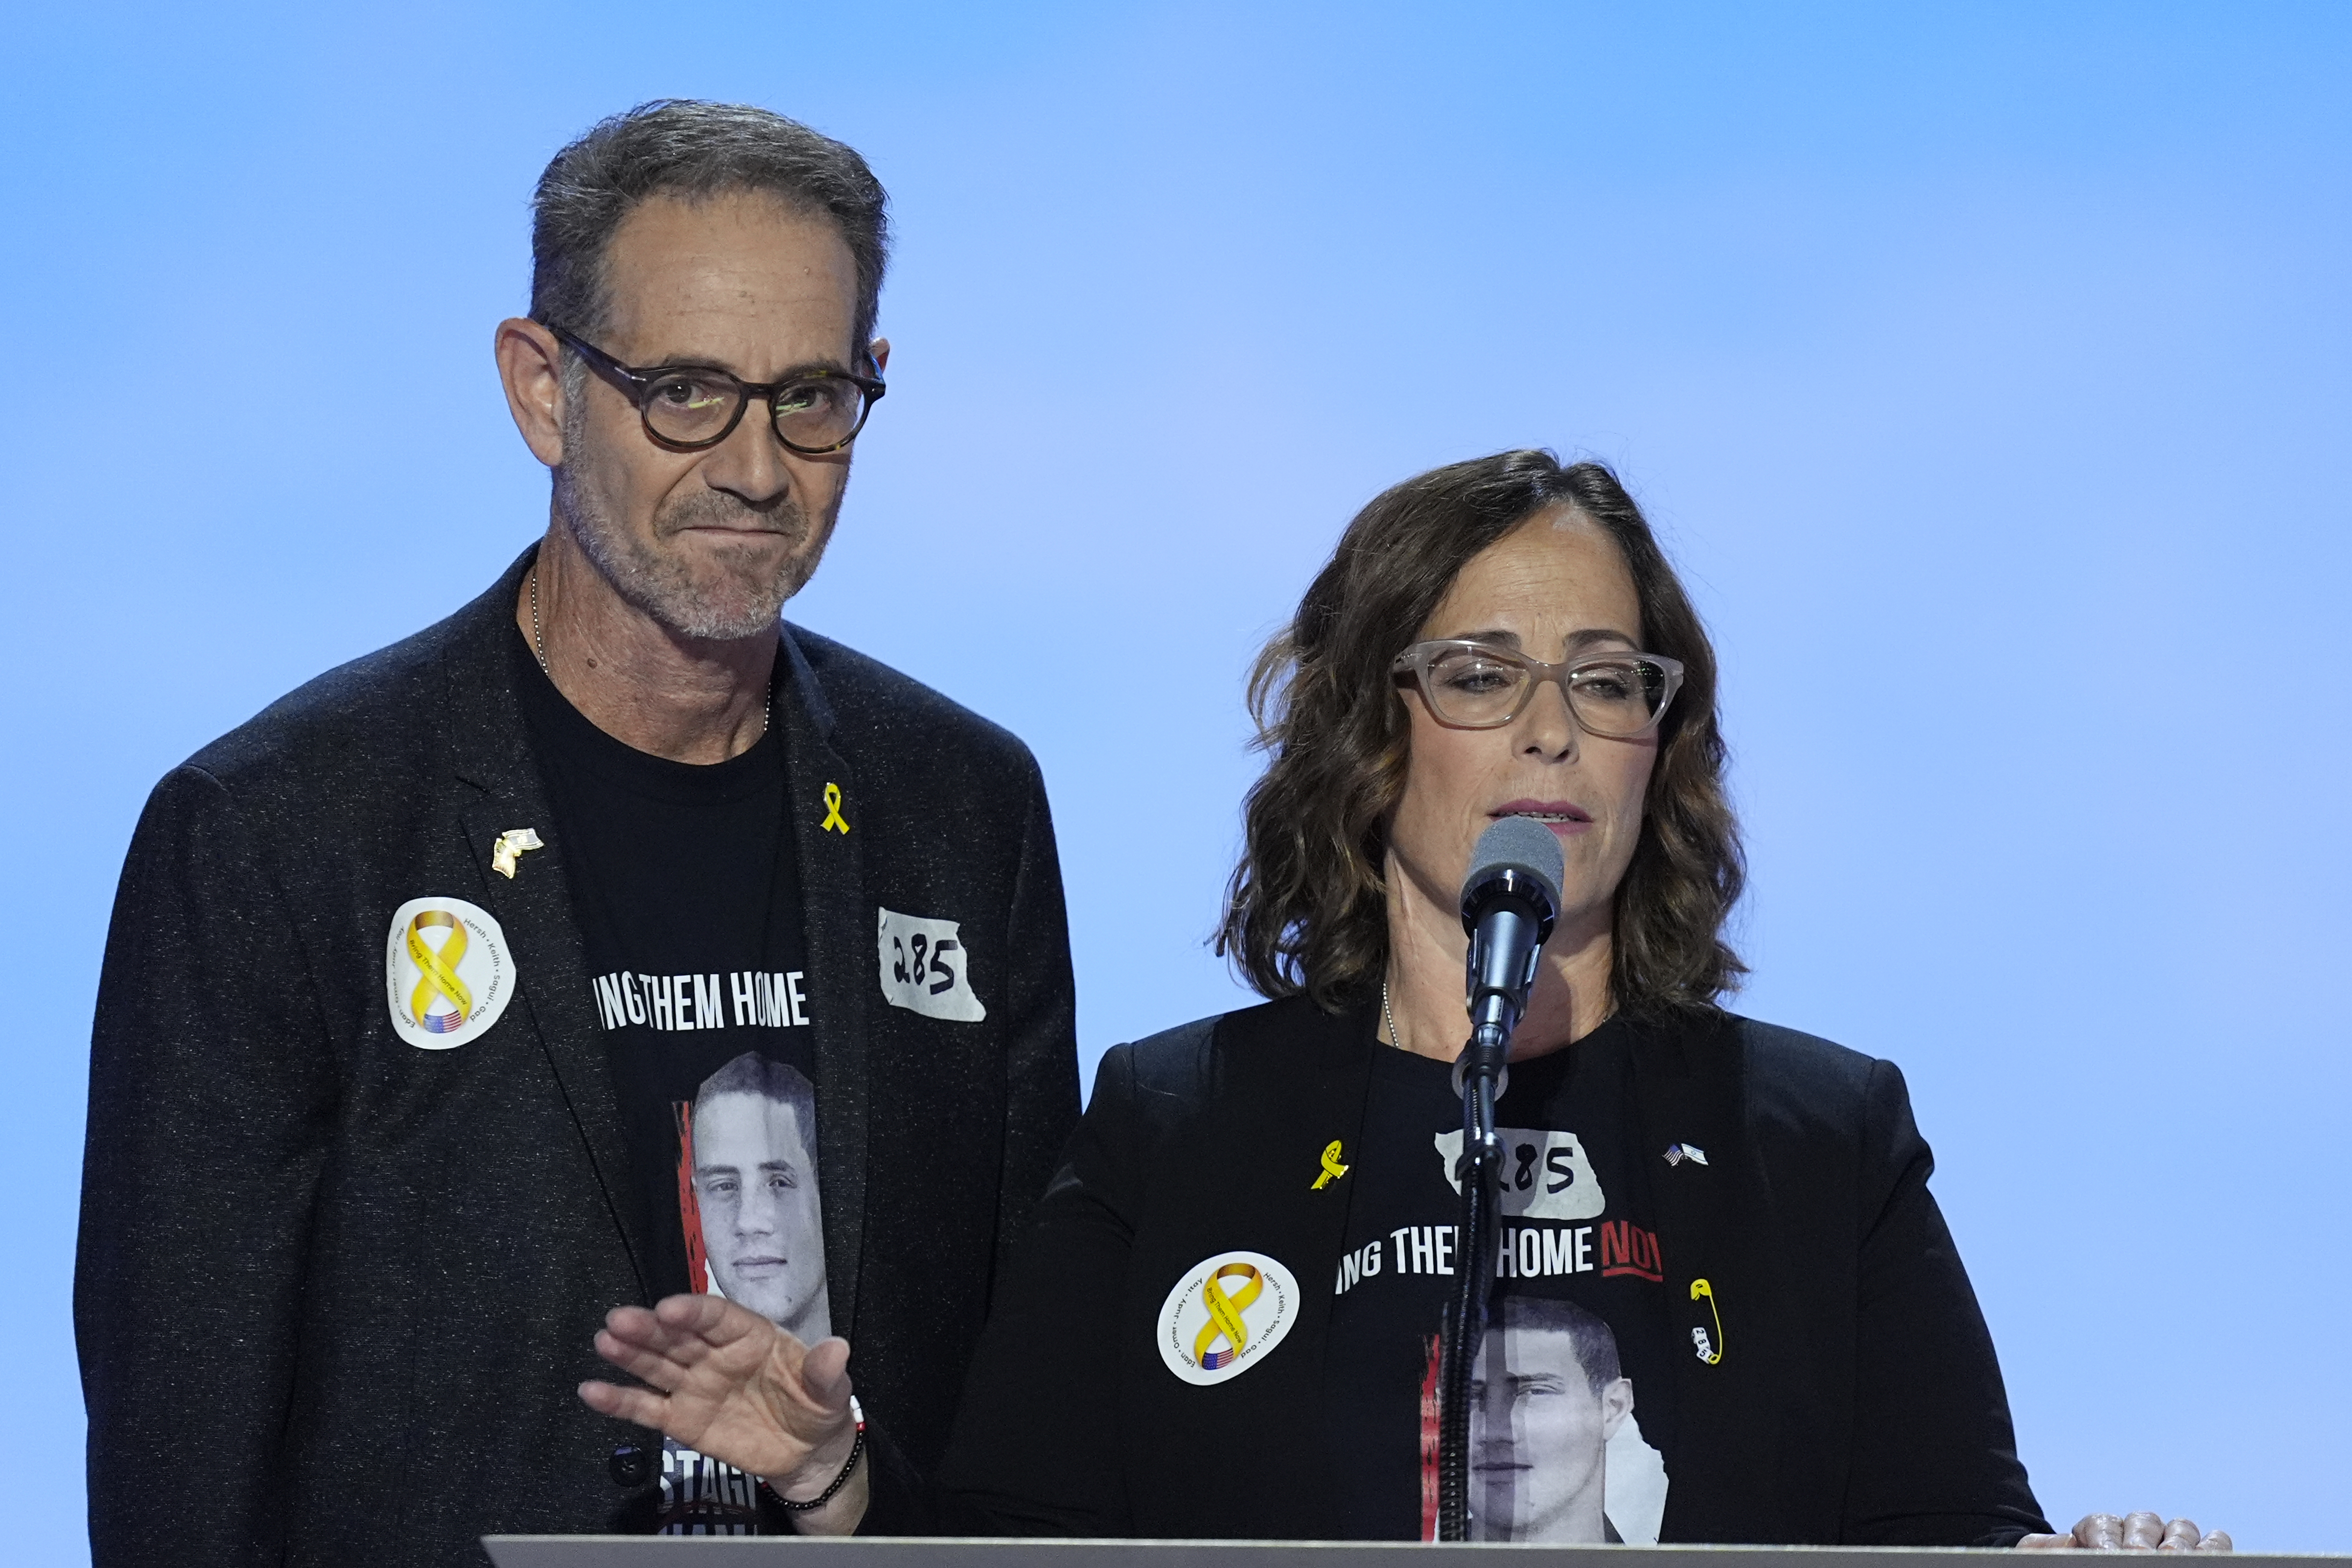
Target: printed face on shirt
x,y
755,1183
1540,1434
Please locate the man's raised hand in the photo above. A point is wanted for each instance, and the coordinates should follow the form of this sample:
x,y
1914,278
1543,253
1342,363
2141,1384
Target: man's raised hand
x,y
726,1382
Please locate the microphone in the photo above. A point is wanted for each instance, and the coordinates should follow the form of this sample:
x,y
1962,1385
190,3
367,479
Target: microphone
x,y
1510,900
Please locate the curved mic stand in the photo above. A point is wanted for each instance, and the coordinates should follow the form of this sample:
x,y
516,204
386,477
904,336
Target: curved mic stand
x,y
1515,911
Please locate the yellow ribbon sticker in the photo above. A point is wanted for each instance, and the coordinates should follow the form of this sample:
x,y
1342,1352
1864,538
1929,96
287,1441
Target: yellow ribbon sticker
x,y
1709,1351
438,971
1225,1315
833,818
441,997
1332,1169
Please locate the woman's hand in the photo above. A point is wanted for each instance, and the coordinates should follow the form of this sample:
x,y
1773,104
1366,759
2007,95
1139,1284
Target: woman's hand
x,y
2134,1532
727,1382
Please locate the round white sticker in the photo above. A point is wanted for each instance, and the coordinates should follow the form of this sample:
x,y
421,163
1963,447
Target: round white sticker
x,y
447,972
1226,1314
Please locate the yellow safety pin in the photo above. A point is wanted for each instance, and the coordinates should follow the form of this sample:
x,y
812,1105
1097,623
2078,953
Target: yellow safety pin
x,y
1709,1351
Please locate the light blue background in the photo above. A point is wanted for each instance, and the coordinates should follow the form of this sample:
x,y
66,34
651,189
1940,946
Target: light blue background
x,y
1985,369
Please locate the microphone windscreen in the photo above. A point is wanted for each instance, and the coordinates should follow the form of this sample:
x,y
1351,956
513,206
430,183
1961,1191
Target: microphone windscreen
x,y
1521,842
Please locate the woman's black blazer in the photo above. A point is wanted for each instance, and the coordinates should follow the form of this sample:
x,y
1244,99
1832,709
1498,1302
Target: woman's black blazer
x,y
1856,1400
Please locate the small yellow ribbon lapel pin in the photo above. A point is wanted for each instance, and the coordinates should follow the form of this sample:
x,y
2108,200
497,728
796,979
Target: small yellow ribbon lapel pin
x,y
1332,1169
833,818
514,843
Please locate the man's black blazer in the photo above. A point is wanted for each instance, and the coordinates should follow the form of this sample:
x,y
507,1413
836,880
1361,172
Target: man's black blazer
x,y
1857,1399
335,1293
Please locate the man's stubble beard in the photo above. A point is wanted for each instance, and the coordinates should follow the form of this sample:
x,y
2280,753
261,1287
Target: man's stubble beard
x,y
724,598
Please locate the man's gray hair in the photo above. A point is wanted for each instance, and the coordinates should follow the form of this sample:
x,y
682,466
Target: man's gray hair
x,y
693,150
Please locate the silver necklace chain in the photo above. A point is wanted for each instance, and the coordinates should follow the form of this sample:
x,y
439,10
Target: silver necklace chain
x,y
1388,1018
767,713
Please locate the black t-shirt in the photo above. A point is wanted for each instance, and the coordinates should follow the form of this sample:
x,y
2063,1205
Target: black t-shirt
x,y
688,893
1579,1318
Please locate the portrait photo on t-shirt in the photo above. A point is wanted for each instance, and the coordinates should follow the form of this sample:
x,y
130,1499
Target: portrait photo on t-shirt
x,y
748,1192
1548,1401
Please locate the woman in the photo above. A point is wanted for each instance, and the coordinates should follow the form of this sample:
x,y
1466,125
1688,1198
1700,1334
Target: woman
x,y
1727,1309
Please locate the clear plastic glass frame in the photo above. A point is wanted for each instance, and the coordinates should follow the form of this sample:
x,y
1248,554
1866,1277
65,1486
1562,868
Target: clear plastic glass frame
x,y
1579,680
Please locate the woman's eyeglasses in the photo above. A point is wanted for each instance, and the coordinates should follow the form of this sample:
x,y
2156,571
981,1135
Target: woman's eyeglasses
x,y
1480,685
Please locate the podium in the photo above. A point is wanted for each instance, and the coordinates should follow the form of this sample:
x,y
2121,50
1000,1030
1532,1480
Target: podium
x,y
885,1551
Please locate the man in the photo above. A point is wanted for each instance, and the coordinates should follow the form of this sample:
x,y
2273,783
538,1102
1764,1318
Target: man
x,y
754,1193
410,976
1546,1396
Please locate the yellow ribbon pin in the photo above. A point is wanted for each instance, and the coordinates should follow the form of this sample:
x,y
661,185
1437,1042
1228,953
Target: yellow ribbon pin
x,y
1332,1169
833,818
438,972
1709,1351
1225,1315
512,843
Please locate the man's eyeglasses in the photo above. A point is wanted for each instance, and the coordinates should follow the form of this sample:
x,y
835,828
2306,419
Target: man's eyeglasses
x,y
688,407
1480,685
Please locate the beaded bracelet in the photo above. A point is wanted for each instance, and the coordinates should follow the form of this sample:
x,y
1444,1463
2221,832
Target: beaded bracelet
x,y
857,1449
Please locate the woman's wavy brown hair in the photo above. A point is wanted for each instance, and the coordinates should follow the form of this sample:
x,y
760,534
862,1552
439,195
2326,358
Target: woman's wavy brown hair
x,y
1307,907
